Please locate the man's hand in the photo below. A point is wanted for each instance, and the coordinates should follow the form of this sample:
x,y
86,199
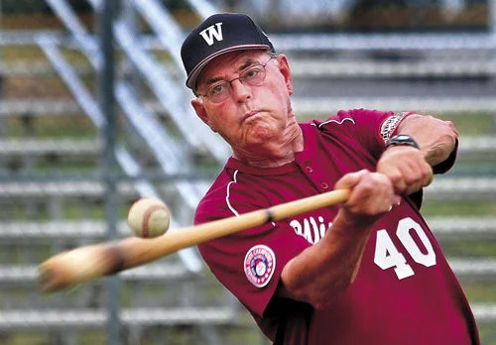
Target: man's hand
x,y
410,169
406,167
372,196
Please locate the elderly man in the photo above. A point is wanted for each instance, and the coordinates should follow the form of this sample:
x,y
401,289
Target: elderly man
x,y
368,271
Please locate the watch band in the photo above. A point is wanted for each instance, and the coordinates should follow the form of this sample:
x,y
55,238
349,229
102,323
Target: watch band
x,y
402,139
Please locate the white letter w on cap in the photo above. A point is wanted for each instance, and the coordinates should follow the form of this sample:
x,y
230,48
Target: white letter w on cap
x,y
212,32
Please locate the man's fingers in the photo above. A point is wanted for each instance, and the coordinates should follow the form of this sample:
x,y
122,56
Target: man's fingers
x,y
372,196
350,180
417,177
410,176
396,199
406,168
397,180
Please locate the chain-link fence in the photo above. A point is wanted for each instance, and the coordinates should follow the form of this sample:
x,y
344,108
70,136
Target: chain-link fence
x,y
73,158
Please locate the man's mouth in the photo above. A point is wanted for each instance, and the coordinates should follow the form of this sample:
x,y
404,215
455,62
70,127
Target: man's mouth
x,y
250,114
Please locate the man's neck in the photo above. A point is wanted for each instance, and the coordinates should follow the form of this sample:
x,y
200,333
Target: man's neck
x,y
275,153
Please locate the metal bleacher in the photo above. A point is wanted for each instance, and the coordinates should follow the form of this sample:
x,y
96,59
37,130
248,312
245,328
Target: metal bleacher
x,y
26,243
163,135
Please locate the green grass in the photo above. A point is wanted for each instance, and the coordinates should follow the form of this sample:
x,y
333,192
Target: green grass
x,y
458,208
469,248
479,291
487,334
475,167
51,127
35,338
471,123
70,208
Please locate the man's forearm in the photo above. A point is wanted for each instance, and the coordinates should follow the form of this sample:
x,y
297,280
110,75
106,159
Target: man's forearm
x,y
321,272
436,138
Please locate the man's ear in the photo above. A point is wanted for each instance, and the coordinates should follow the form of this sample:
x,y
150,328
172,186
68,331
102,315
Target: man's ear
x,y
202,113
283,65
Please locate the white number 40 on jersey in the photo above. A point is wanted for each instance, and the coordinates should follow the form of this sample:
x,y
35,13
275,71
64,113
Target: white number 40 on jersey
x,y
388,256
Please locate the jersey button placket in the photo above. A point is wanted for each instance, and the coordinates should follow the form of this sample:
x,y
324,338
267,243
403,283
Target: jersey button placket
x,y
324,185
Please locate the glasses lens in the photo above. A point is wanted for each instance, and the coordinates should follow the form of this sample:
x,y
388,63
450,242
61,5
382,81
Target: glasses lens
x,y
218,92
254,75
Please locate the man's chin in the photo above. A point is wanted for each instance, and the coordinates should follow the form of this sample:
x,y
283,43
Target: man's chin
x,y
260,131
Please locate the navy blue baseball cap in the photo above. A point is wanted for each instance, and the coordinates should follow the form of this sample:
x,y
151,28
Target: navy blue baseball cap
x,y
218,35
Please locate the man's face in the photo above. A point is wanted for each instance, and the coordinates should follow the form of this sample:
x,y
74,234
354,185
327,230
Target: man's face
x,y
251,115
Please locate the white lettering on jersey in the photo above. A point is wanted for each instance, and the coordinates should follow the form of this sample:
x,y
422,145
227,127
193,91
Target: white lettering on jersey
x,y
311,230
387,254
213,31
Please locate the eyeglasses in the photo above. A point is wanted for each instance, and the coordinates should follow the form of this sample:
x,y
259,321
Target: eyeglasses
x,y
253,75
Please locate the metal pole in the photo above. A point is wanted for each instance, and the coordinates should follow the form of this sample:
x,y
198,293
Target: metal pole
x,y
492,17
492,29
3,121
107,102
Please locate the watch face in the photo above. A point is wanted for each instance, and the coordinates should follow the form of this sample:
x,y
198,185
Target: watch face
x,y
402,139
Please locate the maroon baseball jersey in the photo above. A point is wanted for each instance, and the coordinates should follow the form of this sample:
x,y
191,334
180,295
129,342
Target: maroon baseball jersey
x,y
404,292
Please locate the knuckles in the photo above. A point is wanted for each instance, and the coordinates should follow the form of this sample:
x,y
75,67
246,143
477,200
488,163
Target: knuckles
x,y
406,167
371,196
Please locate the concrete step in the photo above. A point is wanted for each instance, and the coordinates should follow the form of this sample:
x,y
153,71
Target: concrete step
x,y
401,42
51,319
60,230
484,312
368,68
303,105
39,107
470,267
442,188
453,227
38,147
28,274
83,188
91,318
69,146
461,188
321,106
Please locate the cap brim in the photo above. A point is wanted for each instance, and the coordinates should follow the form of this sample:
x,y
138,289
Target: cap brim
x,y
193,76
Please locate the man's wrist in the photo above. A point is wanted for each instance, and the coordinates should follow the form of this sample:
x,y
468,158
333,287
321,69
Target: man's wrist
x,y
402,140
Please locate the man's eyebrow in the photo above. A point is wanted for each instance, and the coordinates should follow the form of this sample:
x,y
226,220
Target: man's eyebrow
x,y
247,63
213,80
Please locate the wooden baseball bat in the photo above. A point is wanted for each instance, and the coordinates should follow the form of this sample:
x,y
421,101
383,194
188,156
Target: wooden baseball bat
x,y
90,262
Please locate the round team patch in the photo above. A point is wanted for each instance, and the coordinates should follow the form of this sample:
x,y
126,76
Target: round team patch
x,y
260,263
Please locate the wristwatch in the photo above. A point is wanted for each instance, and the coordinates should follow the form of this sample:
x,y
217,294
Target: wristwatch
x,y
402,139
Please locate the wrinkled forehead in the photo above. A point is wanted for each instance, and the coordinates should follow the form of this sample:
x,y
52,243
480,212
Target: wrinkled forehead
x,y
229,63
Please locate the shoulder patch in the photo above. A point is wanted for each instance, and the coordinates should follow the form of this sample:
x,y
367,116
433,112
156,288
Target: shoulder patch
x,y
390,124
259,265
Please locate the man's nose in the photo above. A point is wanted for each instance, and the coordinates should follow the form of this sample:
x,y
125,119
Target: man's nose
x,y
240,91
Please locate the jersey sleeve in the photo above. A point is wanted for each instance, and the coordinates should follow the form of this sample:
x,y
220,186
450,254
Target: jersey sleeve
x,y
248,263
371,128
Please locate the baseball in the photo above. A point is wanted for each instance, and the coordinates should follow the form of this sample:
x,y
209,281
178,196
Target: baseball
x,y
149,217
